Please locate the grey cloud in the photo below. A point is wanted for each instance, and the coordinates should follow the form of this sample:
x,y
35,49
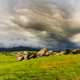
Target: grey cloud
x,y
39,23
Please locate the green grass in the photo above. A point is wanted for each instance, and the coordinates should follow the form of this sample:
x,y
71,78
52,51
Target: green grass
x,y
65,67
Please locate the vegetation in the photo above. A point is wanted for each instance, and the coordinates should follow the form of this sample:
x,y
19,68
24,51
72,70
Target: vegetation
x,y
63,67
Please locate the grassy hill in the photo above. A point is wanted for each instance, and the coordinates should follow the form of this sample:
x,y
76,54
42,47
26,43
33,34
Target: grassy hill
x,y
64,67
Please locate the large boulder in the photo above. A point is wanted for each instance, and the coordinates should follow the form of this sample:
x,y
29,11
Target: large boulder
x,y
22,56
76,51
48,53
34,55
19,56
42,52
25,55
60,53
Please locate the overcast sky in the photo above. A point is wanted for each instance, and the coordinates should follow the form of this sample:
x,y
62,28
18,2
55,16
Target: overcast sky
x,y
40,23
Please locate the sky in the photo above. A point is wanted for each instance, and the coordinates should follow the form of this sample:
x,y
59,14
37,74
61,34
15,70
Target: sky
x,y
54,24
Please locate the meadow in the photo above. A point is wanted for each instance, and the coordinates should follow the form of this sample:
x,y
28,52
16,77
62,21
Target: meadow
x,y
63,67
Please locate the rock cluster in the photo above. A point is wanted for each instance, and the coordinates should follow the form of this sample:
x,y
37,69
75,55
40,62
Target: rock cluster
x,y
44,52
25,55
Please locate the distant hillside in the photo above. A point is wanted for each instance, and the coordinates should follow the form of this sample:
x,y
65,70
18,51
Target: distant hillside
x,y
20,48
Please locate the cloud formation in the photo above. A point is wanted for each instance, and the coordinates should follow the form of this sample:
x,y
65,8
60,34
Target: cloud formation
x,y
44,23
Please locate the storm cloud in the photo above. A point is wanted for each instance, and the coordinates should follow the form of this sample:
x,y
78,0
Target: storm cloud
x,y
40,23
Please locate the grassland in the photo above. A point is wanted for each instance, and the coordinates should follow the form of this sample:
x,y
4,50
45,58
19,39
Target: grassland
x,y
64,67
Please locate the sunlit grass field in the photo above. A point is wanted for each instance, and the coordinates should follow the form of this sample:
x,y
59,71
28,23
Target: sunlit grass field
x,y
64,67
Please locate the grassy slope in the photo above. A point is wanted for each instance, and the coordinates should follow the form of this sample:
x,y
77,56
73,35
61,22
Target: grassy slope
x,y
65,67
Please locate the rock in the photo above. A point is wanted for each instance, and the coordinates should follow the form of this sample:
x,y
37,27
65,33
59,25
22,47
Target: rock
x,y
59,53
76,51
48,53
19,56
42,52
34,55
25,55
